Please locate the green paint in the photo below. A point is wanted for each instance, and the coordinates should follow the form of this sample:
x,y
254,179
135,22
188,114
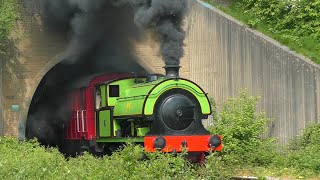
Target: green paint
x,y
104,123
131,101
142,131
130,106
181,84
133,95
103,96
124,84
133,139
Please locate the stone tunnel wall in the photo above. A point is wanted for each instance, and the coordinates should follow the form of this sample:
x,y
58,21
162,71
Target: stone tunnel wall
x,y
221,54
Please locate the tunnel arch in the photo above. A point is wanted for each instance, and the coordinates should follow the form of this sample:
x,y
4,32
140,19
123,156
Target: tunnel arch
x,y
41,76
32,87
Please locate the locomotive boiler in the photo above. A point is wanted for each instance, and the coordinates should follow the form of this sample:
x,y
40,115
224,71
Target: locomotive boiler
x,y
164,112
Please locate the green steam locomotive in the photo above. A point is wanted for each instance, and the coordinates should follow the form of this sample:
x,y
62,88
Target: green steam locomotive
x,y
162,112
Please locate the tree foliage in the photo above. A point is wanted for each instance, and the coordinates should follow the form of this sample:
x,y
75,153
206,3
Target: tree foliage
x,y
299,18
241,127
8,17
295,23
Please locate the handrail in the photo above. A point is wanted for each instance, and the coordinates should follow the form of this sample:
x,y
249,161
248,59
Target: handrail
x,y
78,127
82,116
132,97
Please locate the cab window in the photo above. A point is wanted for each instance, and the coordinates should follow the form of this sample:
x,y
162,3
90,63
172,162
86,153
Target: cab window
x,y
98,98
114,91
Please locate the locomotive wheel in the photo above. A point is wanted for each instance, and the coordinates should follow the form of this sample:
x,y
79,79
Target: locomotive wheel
x,y
177,109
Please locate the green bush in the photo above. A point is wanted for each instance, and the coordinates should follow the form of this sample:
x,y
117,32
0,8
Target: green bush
x,y
215,168
309,137
241,128
304,150
29,160
299,18
8,17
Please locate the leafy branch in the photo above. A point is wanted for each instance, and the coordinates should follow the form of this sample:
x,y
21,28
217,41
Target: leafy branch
x,y
8,16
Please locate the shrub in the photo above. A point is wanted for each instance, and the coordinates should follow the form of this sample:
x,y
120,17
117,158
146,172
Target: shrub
x,y
304,150
309,137
241,128
29,160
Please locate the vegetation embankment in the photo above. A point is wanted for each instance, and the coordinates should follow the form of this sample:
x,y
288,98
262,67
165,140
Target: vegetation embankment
x,y
8,16
245,153
294,23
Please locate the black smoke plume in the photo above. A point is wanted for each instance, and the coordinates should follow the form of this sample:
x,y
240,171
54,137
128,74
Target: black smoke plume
x,y
90,23
163,17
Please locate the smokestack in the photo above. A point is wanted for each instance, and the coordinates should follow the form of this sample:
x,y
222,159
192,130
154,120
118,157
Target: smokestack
x,y
172,71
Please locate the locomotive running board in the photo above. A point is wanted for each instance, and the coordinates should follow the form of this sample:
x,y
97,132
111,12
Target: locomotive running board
x,y
122,139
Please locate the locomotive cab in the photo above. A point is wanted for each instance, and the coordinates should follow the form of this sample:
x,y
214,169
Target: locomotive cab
x,y
117,127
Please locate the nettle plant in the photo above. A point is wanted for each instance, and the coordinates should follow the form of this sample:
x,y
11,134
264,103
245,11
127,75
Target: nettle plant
x,y
242,127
